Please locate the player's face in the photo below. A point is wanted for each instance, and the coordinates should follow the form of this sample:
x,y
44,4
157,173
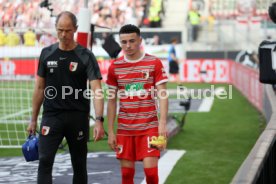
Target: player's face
x,y
65,30
130,44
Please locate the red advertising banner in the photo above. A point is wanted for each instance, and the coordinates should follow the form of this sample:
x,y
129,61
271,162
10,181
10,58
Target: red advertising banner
x,y
205,70
247,81
18,66
198,70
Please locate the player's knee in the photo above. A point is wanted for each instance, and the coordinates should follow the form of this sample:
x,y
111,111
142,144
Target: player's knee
x,y
79,162
46,162
151,175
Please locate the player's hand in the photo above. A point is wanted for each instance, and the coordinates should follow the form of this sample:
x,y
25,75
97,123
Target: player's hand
x,y
98,131
159,142
162,129
163,146
32,128
112,141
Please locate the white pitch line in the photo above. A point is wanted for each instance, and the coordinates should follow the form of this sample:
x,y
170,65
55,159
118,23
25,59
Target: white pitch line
x,y
166,164
206,105
16,114
94,173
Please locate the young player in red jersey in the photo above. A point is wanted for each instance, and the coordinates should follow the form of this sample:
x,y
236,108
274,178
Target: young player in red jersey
x,y
136,79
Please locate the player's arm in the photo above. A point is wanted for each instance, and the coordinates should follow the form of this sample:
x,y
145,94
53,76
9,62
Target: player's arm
x,y
98,132
111,115
163,102
38,97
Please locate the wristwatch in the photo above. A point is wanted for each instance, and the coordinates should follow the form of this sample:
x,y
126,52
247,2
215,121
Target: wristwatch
x,y
100,118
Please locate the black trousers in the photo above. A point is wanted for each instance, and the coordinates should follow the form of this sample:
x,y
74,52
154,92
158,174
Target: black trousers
x,y
72,125
195,30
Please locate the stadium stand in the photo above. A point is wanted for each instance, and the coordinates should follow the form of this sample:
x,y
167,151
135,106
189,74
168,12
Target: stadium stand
x,y
24,14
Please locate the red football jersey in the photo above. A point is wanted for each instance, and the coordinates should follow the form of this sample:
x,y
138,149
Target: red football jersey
x,y
136,83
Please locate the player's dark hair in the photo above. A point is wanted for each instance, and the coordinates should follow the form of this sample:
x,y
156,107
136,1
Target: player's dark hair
x,y
129,28
70,15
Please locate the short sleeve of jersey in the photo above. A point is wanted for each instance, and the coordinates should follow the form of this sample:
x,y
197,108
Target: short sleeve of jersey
x,y
160,73
171,51
93,69
41,71
111,78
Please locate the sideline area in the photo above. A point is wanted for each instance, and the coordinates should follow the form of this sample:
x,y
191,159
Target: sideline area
x,y
103,168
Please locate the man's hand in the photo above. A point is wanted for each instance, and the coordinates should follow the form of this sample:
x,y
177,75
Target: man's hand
x,y
98,131
32,127
162,128
159,142
112,141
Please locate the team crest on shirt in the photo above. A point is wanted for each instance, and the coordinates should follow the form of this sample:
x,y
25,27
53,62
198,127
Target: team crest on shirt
x,y
145,74
119,149
73,66
45,130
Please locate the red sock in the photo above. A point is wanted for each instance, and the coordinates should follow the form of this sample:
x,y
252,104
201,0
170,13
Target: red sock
x,y
127,175
151,175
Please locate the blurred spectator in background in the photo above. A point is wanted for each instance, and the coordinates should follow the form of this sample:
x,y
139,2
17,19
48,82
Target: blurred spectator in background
x,y
193,24
47,39
211,22
155,11
173,61
29,38
156,40
115,13
2,37
111,13
22,14
13,38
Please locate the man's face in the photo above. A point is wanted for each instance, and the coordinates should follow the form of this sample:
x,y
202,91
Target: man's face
x,y
130,43
65,30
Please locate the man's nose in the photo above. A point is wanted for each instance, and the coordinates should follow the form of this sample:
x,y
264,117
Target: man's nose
x,y
128,44
63,33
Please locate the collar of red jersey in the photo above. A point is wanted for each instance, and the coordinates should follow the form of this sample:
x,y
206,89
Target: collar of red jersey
x,y
136,60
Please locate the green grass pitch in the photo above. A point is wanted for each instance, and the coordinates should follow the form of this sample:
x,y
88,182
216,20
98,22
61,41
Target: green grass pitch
x,y
216,142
